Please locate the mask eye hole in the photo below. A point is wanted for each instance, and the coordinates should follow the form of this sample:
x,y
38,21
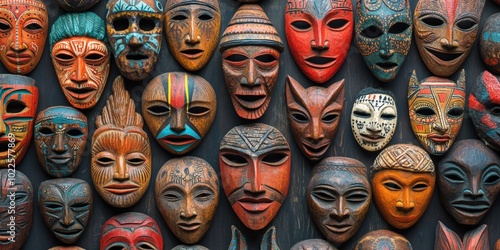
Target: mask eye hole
x,y
236,58
419,187
329,118
455,112
158,110
372,32
147,24
495,111
205,17
301,25
33,27
120,24
275,159
398,28
94,57
388,116
300,117
15,106
425,112
337,24
75,133
179,17
361,114
267,58
46,131
4,27
393,186
433,21
145,246
466,24
198,111
64,57
234,160
105,161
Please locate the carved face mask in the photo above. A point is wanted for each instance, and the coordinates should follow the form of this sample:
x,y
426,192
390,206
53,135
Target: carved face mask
x,y
383,35
381,240
24,26
134,30
314,115
187,193
469,181
179,109
445,31
131,231
65,205
313,244
192,31
338,197
255,172
76,5
319,34
436,107
489,43
374,118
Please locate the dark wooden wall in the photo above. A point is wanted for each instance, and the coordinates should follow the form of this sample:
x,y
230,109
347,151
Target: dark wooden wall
x,y
293,222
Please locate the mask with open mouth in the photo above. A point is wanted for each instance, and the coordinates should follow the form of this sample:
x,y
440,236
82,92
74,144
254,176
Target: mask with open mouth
x,y
489,43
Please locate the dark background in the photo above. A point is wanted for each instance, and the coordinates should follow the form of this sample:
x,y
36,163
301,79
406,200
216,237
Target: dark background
x,y
293,222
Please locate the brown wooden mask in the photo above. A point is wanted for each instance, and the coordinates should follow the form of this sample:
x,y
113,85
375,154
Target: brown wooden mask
x,y
338,197
192,31
402,183
313,244
382,240
446,239
445,31
179,109
255,172
436,107
314,115
187,194
489,43
121,153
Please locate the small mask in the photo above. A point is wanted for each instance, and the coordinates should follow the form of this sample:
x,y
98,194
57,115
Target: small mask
x,y
374,118
131,231
189,247
469,181
179,109
402,182
255,172
477,238
436,107
65,205
76,5
489,43
319,35
187,193
60,139
338,197
445,31
383,35
251,51
312,244
24,26
121,153
80,57
192,31
314,115
134,30
382,240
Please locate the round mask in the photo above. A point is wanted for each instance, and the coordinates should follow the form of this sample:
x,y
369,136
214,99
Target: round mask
x,y
187,194
255,172
65,205
383,35
382,240
374,118
76,5
319,35
489,43
436,109
60,139
179,109
313,244
338,197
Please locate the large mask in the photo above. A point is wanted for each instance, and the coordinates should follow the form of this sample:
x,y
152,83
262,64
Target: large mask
x,y
192,31
80,56
134,30
489,43
469,180
121,153
251,51
374,118
477,238
338,197
319,35
383,35
255,172
24,25
402,183
383,240
445,31
65,205
436,106
131,231
76,5
179,109
187,193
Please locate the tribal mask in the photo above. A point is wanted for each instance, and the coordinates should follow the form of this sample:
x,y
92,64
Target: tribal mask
x,y
382,240
489,43
76,5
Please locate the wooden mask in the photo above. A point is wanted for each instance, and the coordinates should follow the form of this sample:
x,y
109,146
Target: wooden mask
x,y
489,43
374,118
19,99
131,230
313,244
189,247
338,197
192,31
80,56
255,172
382,240
436,106
402,183
179,109
121,153
76,5
24,25
446,239
314,115
319,35
251,50
187,194
60,138
469,180
445,31
134,30
65,205
268,242
383,35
